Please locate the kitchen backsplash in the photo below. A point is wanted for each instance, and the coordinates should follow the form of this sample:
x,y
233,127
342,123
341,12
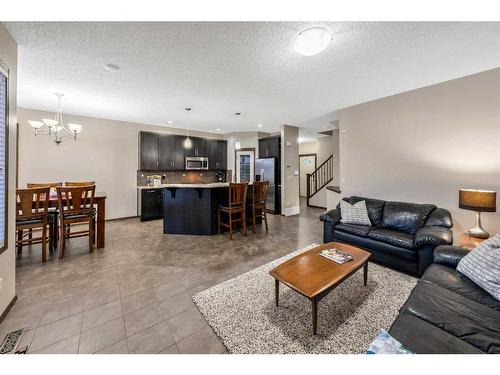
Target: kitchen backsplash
x,y
181,177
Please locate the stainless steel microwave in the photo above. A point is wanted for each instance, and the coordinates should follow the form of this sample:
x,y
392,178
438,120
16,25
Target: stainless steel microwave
x,y
196,162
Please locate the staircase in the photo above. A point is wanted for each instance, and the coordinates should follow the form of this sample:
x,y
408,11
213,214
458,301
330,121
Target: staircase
x,y
318,179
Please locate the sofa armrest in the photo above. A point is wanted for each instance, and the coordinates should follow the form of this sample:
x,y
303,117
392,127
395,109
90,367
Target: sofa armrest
x,y
332,217
449,255
433,236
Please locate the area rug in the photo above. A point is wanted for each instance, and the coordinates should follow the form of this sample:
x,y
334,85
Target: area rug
x,y
243,314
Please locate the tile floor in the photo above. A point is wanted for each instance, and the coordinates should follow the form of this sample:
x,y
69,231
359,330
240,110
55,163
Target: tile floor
x,y
134,295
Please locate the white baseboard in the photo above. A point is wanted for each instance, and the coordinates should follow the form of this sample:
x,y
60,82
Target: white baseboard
x,y
292,211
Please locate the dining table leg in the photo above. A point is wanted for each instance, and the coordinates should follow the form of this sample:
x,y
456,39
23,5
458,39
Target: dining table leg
x,y
101,213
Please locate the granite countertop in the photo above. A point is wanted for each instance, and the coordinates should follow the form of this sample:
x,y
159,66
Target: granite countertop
x,y
192,186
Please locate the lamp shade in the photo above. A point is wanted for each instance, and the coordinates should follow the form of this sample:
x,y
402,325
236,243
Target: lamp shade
x,y
477,200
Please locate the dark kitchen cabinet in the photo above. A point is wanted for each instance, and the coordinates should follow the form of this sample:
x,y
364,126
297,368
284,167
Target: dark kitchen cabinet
x,y
222,155
199,147
151,204
212,153
217,154
148,151
166,152
270,147
179,152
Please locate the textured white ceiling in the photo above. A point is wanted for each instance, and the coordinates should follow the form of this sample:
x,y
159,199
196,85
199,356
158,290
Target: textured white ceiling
x,y
219,68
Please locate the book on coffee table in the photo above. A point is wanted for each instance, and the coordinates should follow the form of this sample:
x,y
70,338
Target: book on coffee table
x,y
336,255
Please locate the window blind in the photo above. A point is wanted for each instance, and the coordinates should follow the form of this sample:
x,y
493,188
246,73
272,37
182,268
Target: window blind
x,y
3,148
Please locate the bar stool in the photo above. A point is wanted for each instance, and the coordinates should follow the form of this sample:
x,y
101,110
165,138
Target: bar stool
x,y
236,205
53,211
32,213
259,202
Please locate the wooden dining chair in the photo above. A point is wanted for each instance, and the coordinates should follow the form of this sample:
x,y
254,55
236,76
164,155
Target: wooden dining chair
x,y
32,213
236,205
76,206
76,184
259,202
53,211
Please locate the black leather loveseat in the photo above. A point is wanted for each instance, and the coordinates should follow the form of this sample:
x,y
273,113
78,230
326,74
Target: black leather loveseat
x,y
447,312
402,235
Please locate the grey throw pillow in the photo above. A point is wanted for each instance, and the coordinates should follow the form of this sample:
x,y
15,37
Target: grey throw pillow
x,y
482,265
354,213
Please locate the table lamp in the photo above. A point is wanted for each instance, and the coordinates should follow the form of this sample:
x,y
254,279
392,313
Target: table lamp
x,y
479,201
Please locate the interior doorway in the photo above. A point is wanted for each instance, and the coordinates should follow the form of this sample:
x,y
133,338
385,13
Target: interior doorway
x,y
307,164
245,165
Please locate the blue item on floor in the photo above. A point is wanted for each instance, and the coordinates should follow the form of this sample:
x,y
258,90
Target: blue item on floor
x,y
386,344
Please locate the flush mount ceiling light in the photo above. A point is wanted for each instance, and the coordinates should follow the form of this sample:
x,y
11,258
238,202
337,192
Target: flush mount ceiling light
x,y
260,125
218,129
312,41
112,67
170,122
237,113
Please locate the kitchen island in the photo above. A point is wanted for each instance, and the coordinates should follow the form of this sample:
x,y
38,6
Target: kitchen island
x,y
192,208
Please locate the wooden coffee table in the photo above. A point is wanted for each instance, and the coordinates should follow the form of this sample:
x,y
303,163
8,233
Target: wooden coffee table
x,y
315,276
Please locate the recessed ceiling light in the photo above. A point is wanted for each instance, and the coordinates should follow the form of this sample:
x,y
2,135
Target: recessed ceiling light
x,y
312,41
218,129
170,122
112,67
260,125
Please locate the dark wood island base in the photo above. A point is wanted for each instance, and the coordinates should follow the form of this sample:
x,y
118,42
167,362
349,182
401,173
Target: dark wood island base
x,y
192,209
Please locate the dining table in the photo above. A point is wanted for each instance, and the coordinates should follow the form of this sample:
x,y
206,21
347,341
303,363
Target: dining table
x,y
100,203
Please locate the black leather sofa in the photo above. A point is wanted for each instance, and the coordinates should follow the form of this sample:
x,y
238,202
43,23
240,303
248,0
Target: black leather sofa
x,y
402,235
447,312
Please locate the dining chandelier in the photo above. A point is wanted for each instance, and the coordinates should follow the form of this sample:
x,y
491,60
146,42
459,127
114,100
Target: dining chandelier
x,y
56,127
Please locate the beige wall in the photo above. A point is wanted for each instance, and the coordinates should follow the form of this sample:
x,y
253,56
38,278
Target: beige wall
x,y
290,203
8,56
423,145
106,151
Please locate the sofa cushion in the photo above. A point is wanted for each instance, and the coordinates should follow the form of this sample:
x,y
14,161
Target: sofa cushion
x,y
373,206
482,265
405,217
358,230
476,324
392,237
381,251
424,338
354,213
452,280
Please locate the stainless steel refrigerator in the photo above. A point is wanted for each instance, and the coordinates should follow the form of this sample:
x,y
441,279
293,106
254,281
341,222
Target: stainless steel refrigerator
x,y
268,169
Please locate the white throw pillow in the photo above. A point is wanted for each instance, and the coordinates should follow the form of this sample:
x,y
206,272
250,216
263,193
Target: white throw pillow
x,y
354,213
482,265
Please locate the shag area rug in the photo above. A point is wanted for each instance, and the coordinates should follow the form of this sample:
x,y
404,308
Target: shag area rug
x,y
243,314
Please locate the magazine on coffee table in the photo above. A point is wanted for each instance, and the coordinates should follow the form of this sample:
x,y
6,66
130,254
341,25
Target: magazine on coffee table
x,y
338,256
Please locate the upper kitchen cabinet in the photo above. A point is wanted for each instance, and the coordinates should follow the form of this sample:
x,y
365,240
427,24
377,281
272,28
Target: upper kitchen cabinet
x,y
270,147
217,154
221,155
148,151
199,147
166,152
180,152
